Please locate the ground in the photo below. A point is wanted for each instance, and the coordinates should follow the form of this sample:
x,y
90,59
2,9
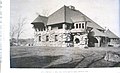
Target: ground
x,y
56,57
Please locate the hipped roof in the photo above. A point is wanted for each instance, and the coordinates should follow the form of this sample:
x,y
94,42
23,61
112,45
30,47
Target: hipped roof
x,y
110,34
40,19
66,15
98,33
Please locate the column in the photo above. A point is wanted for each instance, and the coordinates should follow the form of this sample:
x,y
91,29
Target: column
x,y
64,26
49,27
74,26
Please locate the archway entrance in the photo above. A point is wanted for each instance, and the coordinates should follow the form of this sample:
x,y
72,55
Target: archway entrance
x,y
91,41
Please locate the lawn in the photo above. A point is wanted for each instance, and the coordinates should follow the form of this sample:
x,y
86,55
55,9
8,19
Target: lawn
x,y
57,57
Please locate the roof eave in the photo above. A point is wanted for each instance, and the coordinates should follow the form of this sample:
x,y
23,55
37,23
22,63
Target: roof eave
x,y
59,23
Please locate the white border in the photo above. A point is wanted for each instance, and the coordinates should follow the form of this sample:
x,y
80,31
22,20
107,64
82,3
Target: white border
x,y
5,65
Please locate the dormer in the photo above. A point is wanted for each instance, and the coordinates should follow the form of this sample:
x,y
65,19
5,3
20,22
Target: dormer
x,y
80,25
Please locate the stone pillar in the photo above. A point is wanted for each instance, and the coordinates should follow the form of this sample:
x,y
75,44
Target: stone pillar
x,y
81,25
98,38
49,27
64,26
75,25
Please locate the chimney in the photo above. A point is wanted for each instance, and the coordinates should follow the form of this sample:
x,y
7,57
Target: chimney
x,y
71,7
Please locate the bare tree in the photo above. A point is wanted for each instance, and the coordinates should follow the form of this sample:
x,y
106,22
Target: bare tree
x,y
18,29
12,31
21,23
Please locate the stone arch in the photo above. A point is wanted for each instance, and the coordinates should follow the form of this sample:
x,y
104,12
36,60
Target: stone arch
x,y
91,41
99,41
95,40
77,40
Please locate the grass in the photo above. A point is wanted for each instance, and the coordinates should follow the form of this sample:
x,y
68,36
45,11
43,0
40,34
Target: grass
x,y
52,57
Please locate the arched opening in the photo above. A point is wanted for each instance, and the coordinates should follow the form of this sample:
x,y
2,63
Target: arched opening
x,y
91,41
77,41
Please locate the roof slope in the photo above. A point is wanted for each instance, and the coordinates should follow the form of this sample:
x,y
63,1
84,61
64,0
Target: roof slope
x,y
72,15
98,33
40,19
57,17
111,34
67,15
76,15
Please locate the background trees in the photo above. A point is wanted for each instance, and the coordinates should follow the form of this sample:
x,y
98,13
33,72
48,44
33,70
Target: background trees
x,y
17,29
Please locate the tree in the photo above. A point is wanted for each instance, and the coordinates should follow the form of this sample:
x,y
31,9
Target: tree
x,y
12,31
18,29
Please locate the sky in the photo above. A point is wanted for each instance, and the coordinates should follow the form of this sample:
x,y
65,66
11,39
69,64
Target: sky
x,y
103,12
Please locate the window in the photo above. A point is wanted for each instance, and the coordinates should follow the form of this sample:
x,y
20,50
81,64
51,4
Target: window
x,y
39,38
77,41
56,38
41,29
47,38
82,25
59,26
76,25
79,25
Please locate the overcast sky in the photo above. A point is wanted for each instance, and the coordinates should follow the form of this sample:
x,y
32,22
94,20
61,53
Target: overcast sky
x,y
103,12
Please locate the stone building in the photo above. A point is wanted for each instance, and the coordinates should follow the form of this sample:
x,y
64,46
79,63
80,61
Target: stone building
x,y
68,27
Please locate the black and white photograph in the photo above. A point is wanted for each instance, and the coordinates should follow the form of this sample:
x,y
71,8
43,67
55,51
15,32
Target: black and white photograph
x,y
55,34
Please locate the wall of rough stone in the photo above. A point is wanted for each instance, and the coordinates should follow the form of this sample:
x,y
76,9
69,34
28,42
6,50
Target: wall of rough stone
x,y
63,39
83,41
52,42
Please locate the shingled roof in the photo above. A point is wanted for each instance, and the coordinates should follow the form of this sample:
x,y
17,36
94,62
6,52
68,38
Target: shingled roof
x,y
110,34
40,19
66,15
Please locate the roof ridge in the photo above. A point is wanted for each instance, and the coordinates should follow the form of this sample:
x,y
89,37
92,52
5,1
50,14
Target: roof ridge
x,y
55,11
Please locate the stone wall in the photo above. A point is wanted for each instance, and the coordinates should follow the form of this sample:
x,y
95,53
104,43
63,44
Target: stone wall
x,y
60,39
83,41
60,42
